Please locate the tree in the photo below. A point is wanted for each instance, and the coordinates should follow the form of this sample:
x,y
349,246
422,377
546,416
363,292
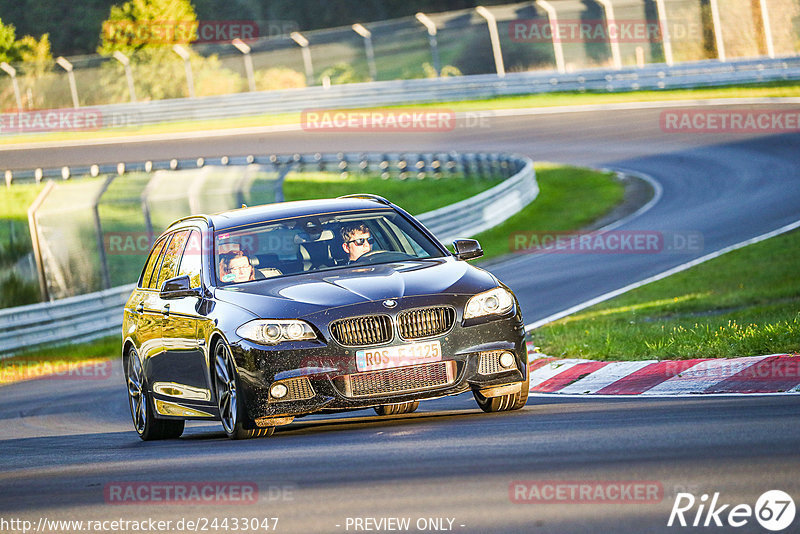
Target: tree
x,y
7,40
145,31
142,26
27,49
35,53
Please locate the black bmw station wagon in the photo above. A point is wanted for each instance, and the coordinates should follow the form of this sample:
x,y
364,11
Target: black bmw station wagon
x,y
259,315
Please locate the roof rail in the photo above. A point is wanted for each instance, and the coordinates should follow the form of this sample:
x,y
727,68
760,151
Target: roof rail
x,y
368,196
196,216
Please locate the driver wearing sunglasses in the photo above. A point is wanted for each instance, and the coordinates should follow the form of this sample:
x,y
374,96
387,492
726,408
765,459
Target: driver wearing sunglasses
x,y
356,240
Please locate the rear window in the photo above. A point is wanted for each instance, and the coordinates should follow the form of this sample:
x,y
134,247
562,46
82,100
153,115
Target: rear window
x,y
152,261
169,265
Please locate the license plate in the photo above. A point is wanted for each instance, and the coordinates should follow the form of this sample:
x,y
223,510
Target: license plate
x,y
399,356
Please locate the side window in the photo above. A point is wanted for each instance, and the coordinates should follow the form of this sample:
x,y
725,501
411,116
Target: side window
x,y
169,267
191,260
152,261
153,279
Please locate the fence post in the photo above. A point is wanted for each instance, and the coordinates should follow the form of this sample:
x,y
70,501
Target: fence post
x,y
613,37
767,29
494,37
666,40
73,88
558,49
718,30
11,71
101,249
367,35
33,226
283,170
148,222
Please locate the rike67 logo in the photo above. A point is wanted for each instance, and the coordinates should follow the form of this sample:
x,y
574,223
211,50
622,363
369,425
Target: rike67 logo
x,y
774,511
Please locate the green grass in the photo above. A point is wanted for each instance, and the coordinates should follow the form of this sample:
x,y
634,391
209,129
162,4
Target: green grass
x,y
14,202
15,242
569,198
414,195
769,89
743,303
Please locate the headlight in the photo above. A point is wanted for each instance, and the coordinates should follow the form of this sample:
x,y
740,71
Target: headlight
x,y
274,331
493,302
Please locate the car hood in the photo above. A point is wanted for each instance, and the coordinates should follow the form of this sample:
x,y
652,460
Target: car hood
x,y
302,294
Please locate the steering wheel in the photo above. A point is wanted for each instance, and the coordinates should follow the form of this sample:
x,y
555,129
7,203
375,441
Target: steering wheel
x,y
374,256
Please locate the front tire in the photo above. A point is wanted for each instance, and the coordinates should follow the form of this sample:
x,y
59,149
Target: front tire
x,y
392,409
504,403
231,404
141,405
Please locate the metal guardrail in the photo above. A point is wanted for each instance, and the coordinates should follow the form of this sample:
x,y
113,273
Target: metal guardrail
x,y
90,316
372,94
485,210
80,318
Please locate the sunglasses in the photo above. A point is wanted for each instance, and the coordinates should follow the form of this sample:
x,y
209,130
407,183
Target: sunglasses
x,y
361,241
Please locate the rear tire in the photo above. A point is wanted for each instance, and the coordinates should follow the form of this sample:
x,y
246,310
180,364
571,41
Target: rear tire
x,y
504,403
392,409
235,422
141,404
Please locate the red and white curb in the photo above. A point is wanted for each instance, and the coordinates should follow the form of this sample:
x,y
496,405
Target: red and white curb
x,y
774,373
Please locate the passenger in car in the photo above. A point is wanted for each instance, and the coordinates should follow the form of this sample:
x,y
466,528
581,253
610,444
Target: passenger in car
x,y
240,267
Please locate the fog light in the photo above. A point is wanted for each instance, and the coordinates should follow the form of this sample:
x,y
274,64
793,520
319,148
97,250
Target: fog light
x,y
278,391
506,359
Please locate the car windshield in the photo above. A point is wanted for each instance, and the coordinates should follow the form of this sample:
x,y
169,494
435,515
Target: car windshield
x,y
318,242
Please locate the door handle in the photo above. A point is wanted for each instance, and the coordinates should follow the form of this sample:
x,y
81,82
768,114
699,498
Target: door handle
x,y
165,311
140,308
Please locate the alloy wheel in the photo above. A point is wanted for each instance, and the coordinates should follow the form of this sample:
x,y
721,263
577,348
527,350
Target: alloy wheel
x,y
137,398
226,388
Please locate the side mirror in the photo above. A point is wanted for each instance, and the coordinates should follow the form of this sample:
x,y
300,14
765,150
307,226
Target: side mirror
x,y
178,287
467,249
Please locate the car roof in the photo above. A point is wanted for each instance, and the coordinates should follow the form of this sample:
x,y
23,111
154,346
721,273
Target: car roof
x,y
284,210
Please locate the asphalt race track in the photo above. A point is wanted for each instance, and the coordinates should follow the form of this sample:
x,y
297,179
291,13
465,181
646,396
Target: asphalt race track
x,y
66,443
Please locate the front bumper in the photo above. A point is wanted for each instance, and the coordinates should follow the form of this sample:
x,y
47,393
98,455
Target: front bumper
x,y
322,376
